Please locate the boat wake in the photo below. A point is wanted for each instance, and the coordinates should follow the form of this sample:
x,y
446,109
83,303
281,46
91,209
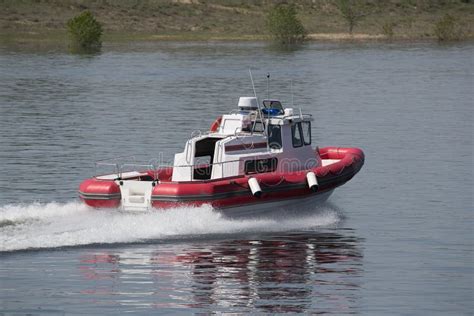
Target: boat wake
x,y
50,225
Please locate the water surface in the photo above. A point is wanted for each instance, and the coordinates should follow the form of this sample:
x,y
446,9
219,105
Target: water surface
x,y
397,239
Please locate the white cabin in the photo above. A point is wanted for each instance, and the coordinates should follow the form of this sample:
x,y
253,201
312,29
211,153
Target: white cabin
x,y
249,141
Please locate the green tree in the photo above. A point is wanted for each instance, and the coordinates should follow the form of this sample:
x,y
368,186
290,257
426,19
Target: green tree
x,y
284,26
351,12
85,31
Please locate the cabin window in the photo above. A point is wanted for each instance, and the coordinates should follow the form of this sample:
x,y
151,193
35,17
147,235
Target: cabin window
x,y
261,165
297,135
306,126
274,136
258,127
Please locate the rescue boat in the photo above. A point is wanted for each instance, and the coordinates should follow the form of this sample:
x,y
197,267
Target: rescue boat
x,y
259,157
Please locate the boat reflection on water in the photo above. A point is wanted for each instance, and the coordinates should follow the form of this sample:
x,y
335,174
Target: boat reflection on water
x,y
291,272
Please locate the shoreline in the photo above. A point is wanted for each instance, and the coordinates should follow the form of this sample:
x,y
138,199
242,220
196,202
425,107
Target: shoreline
x,y
55,37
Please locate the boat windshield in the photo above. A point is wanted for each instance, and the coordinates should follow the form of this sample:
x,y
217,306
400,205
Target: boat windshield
x,y
273,104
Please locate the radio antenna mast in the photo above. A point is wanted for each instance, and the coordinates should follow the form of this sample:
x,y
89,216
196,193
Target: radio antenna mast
x,y
253,87
291,87
268,85
258,105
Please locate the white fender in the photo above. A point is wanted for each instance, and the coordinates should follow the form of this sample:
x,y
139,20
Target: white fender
x,y
312,181
255,187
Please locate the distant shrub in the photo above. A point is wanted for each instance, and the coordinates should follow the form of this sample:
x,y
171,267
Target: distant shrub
x,y
448,29
284,25
351,12
387,29
85,31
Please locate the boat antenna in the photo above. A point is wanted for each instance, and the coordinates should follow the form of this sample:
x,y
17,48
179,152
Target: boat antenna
x,y
268,85
253,87
291,87
258,105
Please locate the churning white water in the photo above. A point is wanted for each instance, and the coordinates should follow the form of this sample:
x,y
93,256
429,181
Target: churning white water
x,y
50,225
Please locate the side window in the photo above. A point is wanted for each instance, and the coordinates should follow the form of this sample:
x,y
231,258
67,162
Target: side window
x,y
297,135
261,165
274,136
258,127
306,126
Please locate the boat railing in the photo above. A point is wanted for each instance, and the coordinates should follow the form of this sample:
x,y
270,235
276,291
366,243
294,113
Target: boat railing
x,y
111,165
240,132
195,172
121,170
296,112
120,167
149,169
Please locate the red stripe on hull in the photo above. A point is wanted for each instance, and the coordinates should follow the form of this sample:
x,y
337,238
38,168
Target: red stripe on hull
x,y
112,203
245,146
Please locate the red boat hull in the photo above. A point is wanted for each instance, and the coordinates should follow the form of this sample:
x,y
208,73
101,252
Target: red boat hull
x,y
233,192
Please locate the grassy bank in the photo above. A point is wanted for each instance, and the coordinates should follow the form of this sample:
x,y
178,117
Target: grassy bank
x,y
126,20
